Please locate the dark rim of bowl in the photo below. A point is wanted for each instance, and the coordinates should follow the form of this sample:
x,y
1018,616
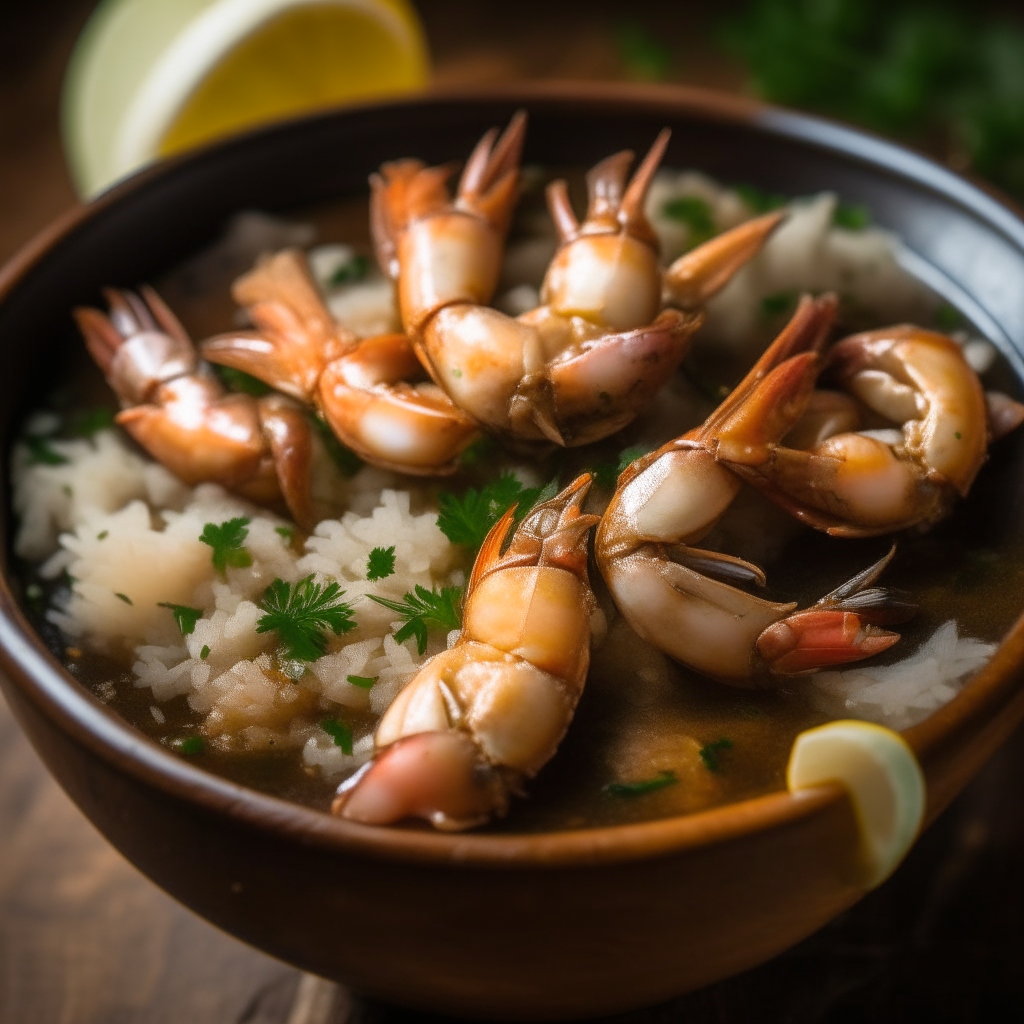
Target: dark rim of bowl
x,y
44,681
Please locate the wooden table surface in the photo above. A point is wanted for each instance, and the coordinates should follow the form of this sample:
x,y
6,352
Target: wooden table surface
x,y
86,939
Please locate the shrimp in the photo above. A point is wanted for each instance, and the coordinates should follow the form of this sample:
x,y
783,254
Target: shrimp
x,y
361,387
852,483
581,365
487,714
180,413
679,597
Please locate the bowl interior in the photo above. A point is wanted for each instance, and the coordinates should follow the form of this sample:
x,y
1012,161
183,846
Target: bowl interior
x,y
961,242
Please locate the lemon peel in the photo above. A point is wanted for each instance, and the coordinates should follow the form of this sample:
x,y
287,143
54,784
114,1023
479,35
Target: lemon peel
x,y
153,77
882,777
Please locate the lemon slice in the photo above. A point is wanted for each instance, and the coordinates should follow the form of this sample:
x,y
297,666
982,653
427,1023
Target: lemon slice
x,y
881,775
153,77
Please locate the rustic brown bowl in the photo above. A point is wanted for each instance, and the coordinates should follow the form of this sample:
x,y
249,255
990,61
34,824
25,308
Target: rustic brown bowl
x,y
523,927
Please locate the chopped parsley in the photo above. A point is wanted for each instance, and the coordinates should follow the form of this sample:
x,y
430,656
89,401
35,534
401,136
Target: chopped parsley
x,y
40,452
631,789
239,380
339,732
184,616
780,302
226,541
123,597
350,271
852,216
479,451
437,607
644,57
607,473
205,652
103,535
381,563
301,614
957,435
363,682
285,531
948,318
759,200
696,214
90,423
345,459
710,754
468,519
191,745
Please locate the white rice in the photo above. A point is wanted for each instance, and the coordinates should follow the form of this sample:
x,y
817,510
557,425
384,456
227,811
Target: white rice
x,y
906,693
127,548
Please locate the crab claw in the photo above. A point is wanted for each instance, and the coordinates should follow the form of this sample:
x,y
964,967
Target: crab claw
x,y
438,776
700,273
807,641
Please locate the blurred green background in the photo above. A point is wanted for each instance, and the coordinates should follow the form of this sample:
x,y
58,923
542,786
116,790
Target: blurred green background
x,y
944,77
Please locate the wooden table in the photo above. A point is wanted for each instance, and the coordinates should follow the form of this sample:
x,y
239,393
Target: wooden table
x,y
85,939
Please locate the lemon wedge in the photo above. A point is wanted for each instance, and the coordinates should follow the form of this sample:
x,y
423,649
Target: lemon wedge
x,y
881,775
150,78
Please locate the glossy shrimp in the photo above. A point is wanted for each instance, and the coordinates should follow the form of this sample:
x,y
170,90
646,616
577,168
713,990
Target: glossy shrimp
x,y
481,718
683,599
937,424
365,388
181,414
581,365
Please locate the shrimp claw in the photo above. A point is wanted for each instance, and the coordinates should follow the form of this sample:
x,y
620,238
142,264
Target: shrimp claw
x,y
361,386
180,413
481,718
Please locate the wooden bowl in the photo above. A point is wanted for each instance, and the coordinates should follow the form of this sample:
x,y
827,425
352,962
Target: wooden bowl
x,y
520,927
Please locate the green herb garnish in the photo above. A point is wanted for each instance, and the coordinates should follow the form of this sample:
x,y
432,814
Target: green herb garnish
x,y
124,597
301,613
468,519
759,200
40,453
439,607
363,682
205,652
90,423
607,473
339,732
696,214
709,754
226,541
103,535
351,270
631,789
642,55
380,564
345,459
948,318
479,451
285,531
239,380
191,745
780,302
184,616
852,216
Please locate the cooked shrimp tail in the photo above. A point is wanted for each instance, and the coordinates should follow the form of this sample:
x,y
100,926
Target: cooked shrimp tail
x,y
481,718
181,414
365,388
